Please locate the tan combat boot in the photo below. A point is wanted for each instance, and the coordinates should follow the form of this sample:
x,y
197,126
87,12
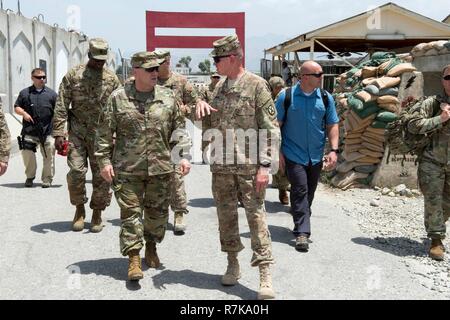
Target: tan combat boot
x,y
78,220
266,291
96,223
233,273
179,227
151,256
437,251
134,266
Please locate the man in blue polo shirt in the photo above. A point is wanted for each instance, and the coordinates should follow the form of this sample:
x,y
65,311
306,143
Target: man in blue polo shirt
x,y
305,128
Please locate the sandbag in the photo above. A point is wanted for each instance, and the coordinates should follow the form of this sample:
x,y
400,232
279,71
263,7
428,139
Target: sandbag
x,y
371,153
389,92
374,136
386,82
379,125
380,132
400,69
373,90
353,148
369,81
366,169
381,55
388,100
369,160
372,141
349,142
350,157
369,72
346,167
352,135
387,117
370,108
391,107
372,147
364,96
355,104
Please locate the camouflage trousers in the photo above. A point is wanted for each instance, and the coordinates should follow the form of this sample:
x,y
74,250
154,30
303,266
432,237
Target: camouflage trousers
x,y
225,190
280,181
144,209
178,199
80,151
434,181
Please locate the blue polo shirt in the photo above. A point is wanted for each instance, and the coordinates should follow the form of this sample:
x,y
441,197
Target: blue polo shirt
x,y
303,133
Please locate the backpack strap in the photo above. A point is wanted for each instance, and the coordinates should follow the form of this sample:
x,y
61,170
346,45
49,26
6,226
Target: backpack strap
x,y
287,103
326,103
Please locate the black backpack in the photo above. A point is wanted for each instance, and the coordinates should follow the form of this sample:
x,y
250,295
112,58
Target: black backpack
x,y
288,103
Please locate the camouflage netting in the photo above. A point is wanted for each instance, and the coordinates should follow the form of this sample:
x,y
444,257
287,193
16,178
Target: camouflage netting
x,y
367,101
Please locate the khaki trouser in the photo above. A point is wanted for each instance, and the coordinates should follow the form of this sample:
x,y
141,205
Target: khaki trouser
x,y
29,159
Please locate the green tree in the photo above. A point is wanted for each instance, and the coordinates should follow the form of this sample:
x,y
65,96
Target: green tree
x,y
185,62
205,67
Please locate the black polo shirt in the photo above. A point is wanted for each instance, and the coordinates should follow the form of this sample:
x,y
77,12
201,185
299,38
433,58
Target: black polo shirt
x,y
40,105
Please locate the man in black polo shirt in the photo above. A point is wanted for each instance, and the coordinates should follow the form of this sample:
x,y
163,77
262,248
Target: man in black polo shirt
x,y
36,105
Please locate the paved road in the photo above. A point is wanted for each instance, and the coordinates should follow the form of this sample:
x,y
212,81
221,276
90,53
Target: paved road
x,y
42,259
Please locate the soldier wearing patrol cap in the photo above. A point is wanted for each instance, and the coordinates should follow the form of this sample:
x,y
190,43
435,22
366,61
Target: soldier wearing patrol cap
x,y
187,99
280,180
242,101
144,117
83,92
206,95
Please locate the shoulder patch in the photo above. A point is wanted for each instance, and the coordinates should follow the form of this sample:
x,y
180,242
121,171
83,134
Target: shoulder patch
x,y
271,110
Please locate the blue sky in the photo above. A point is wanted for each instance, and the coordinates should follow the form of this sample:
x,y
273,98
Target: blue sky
x,y
268,22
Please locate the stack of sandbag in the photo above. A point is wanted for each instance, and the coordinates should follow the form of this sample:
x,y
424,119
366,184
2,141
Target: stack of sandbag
x,y
434,48
368,106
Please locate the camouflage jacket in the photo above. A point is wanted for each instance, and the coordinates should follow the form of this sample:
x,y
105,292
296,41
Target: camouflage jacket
x,y
143,131
184,93
246,105
206,94
427,121
82,94
5,137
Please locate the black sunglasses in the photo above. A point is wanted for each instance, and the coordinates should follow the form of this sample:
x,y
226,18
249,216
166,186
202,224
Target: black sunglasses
x,y
317,75
447,78
150,70
40,77
217,59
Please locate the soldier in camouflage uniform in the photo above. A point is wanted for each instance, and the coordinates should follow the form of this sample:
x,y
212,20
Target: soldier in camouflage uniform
x,y
434,168
187,99
143,116
5,142
242,101
207,95
83,92
280,180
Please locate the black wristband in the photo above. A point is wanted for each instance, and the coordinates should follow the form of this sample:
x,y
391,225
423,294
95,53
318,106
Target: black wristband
x,y
335,151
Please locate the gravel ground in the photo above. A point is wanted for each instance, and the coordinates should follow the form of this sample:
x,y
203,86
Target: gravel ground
x,y
396,225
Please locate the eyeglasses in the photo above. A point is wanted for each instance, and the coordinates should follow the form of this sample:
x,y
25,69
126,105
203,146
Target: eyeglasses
x,y
447,78
40,77
317,75
150,70
218,59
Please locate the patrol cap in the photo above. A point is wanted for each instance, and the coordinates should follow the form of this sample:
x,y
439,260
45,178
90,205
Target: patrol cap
x,y
98,48
226,46
144,60
162,54
275,82
154,55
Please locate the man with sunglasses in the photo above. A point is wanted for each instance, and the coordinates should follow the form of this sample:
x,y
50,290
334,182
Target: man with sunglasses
x,y
144,117
242,103
36,105
5,142
305,127
83,92
187,99
434,164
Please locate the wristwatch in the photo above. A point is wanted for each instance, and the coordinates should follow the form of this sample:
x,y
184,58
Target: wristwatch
x,y
266,165
335,151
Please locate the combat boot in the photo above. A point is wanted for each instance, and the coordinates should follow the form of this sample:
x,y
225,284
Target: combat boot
x,y
78,220
134,266
437,251
266,290
179,228
233,273
284,197
96,223
151,255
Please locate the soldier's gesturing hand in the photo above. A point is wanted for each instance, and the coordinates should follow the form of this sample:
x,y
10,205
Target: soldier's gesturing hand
x,y
107,173
203,110
445,116
59,142
3,168
262,179
185,167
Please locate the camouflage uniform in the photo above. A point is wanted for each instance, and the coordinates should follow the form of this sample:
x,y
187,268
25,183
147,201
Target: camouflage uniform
x,y
206,95
434,168
246,105
86,90
141,158
187,99
5,137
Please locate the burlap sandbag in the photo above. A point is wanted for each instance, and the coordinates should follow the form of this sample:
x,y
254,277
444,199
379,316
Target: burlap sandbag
x,y
389,92
352,148
391,107
432,52
372,141
350,178
439,45
369,81
364,96
373,90
372,147
374,136
352,135
369,160
371,153
350,157
369,72
366,169
347,125
386,82
388,100
350,142
346,167
400,69
376,131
